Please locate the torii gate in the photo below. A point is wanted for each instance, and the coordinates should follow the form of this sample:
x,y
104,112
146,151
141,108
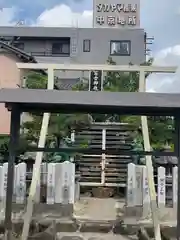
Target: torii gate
x,y
142,70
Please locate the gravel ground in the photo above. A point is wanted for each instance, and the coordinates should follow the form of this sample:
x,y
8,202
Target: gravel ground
x,y
94,236
106,209
103,210
97,209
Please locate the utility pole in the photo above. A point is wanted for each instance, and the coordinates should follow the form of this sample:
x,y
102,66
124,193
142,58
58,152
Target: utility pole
x,y
148,41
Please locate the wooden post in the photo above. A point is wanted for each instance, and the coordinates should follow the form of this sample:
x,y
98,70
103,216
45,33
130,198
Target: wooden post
x,y
175,187
51,184
146,196
21,183
131,189
149,166
38,161
139,190
177,150
38,186
14,140
103,158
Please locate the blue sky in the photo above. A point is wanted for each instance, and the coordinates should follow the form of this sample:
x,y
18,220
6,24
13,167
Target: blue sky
x,y
159,17
31,11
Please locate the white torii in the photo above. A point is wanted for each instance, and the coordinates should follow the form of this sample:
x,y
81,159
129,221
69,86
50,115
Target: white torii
x,y
44,128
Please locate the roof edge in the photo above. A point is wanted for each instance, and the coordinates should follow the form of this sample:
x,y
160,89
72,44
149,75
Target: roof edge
x,y
22,55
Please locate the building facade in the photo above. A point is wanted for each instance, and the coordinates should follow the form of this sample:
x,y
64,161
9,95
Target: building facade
x,y
10,77
64,45
116,33
78,45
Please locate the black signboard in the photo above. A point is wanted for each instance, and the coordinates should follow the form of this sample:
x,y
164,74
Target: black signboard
x,y
95,81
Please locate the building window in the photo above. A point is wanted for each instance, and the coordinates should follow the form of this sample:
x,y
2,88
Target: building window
x,y
86,45
19,45
120,48
61,47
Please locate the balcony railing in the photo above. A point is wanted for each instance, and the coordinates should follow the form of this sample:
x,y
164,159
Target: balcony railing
x,y
49,54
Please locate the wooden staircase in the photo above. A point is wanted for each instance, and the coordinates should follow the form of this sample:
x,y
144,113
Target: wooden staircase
x,y
105,170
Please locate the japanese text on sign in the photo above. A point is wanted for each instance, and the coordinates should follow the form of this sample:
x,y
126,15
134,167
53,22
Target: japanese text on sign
x,y
112,20
116,15
129,8
161,186
146,189
5,182
51,187
130,190
95,80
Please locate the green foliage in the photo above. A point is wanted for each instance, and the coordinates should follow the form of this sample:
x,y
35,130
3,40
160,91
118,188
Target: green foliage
x,y
4,146
120,81
83,85
160,129
60,125
35,80
4,143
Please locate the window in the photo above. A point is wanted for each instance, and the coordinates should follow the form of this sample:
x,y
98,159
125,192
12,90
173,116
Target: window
x,y
120,48
86,45
61,47
19,45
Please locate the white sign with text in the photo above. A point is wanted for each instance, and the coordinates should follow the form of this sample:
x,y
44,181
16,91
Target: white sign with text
x,y
20,179
161,187
116,13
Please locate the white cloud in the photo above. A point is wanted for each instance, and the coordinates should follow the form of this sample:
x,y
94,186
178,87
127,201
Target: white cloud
x,y
168,56
7,15
161,19
63,16
166,82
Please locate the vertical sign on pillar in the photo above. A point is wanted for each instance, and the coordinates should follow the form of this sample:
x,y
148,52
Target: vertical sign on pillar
x,y
58,182
139,186
21,183
1,182
175,187
146,196
131,185
37,195
68,183
72,183
73,141
44,173
15,183
1,187
161,187
51,183
4,181
96,81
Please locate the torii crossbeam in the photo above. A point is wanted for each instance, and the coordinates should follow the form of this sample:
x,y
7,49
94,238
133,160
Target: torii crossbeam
x,y
19,100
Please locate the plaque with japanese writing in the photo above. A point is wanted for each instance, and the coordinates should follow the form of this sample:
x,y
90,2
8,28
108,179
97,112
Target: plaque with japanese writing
x,y
116,13
95,80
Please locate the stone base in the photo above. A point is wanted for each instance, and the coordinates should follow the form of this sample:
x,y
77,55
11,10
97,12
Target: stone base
x,y
45,227
41,210
136,211
61,210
